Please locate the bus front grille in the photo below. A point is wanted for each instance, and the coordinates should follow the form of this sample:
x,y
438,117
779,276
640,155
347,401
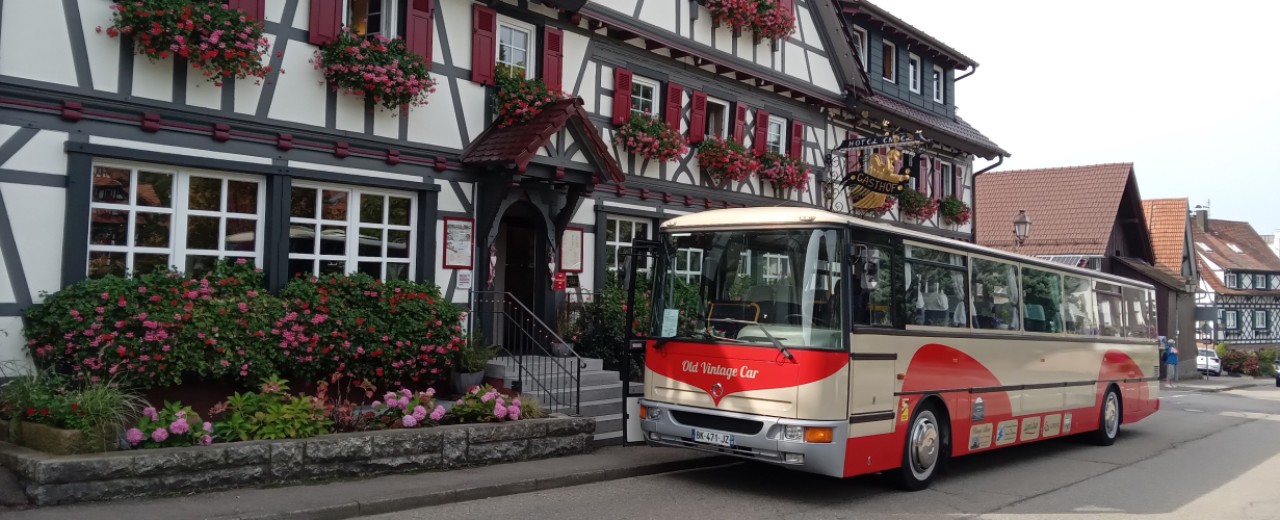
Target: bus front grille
x,y
716,422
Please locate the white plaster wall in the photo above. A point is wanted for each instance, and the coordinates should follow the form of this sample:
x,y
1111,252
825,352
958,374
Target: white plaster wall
x,y
824,75
793,62
6,285
201,92
702,27
659,13
627,7
587,89
23,22
274,9
300,91
37,214
153,79
103,51
472,96
44,153
349,113
457,20
575,51
433,123
12,344
448,200
386,123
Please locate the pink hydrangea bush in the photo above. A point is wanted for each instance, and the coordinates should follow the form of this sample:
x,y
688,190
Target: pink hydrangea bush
x,y
406,409
174,425
484,404
383,70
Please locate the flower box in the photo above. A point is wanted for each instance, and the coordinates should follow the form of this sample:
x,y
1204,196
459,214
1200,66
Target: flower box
x,y
384,71
650,138
219,40
725,162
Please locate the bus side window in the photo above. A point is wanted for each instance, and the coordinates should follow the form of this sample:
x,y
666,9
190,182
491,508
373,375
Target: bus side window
x,y
1042,300
873,306
1079,313
1110,309
995,295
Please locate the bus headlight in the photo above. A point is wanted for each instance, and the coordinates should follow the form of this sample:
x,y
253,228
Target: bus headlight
x,y
653,414
793,433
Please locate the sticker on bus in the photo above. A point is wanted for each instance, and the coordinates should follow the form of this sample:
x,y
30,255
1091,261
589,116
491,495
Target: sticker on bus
x,y
1030,429
980,436
1006,432
1052,425
1066,424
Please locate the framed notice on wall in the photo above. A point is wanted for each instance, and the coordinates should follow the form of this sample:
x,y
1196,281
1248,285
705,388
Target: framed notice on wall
x,y
459,242
571,250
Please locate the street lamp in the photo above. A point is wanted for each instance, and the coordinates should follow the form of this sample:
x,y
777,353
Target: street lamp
x,y
1021,228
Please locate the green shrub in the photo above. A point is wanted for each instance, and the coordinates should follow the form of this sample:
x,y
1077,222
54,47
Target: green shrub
x,y
473,356
1221,349
98,410
1234,361
1266,362
271,414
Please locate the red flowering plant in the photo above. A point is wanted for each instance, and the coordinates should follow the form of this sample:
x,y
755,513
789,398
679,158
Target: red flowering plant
x,y
647,136
725,161
784,172
917,205
738,15
520,99
383,70
954,211
772,21
219,40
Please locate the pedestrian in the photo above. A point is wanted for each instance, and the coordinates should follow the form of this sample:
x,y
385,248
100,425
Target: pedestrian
x,y
1171,365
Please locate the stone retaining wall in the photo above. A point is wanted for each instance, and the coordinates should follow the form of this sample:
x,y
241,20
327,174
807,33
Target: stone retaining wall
x,y
49,479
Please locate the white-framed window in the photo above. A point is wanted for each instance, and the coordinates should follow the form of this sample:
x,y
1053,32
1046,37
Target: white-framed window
x,y
335,229
948,181
371,17
939,85
620,232
1260,319
644,96
146,217
1229,319
889,61
515,45
1231,280
1259,281
860,39
688,264
913,73
717,119
776,267
773,137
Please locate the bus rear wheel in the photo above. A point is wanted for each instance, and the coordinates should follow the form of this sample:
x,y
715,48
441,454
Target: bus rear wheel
x,y
1109,418
924,450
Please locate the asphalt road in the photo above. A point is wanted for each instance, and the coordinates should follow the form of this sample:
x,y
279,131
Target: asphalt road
x,y
1203,456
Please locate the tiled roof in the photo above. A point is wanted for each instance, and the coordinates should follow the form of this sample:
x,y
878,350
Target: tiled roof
x,y
1222,234
1167,222
519,143
1072,210
1153,273
955,128
877,12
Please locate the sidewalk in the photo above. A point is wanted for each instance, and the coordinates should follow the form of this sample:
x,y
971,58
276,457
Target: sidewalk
x,y
355,498
1218,384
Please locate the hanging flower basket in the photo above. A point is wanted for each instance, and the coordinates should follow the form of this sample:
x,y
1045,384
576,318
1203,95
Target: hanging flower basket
x,y
737,15
784,172
772,21
648,137
383,70
725,161
954,211
917,205
217,39
520,99
876,213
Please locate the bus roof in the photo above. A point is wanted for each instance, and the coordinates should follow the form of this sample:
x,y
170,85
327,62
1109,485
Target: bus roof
x,y
780,216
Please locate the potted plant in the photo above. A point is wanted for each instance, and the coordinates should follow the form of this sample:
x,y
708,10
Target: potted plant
x,y
648,137
917,205
469,363
519,99
568,328
383,70
213,37
725,161
784,173
772,21
48,413
954,211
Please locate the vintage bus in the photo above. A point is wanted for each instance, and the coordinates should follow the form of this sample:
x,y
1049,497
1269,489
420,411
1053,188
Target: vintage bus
x,y
840,346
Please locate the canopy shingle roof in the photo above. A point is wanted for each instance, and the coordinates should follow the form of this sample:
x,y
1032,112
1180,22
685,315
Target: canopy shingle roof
x,y
517,144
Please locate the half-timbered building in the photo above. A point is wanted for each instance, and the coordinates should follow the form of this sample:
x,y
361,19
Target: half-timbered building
x,y
1239,296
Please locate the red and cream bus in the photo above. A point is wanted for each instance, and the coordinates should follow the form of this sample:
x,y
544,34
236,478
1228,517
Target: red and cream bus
x,y
839,346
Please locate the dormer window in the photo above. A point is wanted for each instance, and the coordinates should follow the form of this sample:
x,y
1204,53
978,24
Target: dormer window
x,y
939,90
860,41
913,73
889,62
1234,248
1260,281
1204,247
1232,282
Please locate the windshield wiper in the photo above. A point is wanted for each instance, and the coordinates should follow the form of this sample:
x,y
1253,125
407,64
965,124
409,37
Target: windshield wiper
x,y
782,348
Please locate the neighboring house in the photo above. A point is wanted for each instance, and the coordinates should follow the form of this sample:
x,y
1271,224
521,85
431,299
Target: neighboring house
x,y
1086,216
1273,243
1169,223
1239,298
910,80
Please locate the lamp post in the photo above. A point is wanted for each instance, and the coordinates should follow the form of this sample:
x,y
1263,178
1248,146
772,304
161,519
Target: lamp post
x,y
1021,228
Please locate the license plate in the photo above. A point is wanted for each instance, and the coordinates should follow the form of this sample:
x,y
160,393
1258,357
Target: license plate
x,y
719,439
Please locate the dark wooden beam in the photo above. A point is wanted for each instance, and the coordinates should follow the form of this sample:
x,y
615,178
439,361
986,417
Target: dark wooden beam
x,y
677,54
653,45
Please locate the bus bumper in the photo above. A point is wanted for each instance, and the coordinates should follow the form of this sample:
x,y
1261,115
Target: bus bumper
x,y
754,437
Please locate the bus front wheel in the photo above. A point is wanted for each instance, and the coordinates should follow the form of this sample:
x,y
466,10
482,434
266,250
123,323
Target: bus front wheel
x,y
1109,419
924,450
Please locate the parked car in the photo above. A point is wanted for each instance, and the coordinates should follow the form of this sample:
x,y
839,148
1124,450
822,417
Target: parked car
x,y
1207,362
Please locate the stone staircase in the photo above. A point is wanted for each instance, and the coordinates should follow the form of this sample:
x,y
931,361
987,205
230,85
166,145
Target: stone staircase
x,y
600,397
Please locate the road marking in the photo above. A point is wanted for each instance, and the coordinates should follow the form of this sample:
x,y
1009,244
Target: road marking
x,y
1193,410
1096,509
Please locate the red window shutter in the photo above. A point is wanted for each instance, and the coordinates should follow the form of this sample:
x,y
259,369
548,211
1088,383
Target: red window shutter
x,y
796,150
621,95
762,131
553,58
957,184
484,42
740,123
937,179
253,9
418,27
924,166
698,118
852,159
675,105
326,21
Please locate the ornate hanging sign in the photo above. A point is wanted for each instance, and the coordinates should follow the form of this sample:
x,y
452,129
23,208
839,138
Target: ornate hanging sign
x,y
893,140
866,173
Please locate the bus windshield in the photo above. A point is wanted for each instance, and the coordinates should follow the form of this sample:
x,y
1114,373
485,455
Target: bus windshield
x,y
772,288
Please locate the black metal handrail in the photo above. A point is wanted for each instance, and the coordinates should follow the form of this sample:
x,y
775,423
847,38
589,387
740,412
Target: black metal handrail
x,y
553,377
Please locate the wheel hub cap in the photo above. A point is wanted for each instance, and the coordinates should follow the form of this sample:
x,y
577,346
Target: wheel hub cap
x,y
1112,414
924,444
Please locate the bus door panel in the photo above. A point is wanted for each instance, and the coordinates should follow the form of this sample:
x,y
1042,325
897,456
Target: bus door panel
x,y
872,381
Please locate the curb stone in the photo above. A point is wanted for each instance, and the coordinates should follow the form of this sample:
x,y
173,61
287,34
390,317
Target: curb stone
x,y
391,505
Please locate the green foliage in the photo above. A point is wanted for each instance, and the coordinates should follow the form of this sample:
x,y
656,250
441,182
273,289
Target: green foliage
x,y
473,356
1266,362
1221,349
530,408
603,320
519,99
270,414
1234,361
96,409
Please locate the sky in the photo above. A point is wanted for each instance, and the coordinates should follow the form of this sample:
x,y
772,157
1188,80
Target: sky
x,y
1188,92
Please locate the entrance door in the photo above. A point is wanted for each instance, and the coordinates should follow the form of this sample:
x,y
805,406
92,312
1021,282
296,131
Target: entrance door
x,y
522,264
